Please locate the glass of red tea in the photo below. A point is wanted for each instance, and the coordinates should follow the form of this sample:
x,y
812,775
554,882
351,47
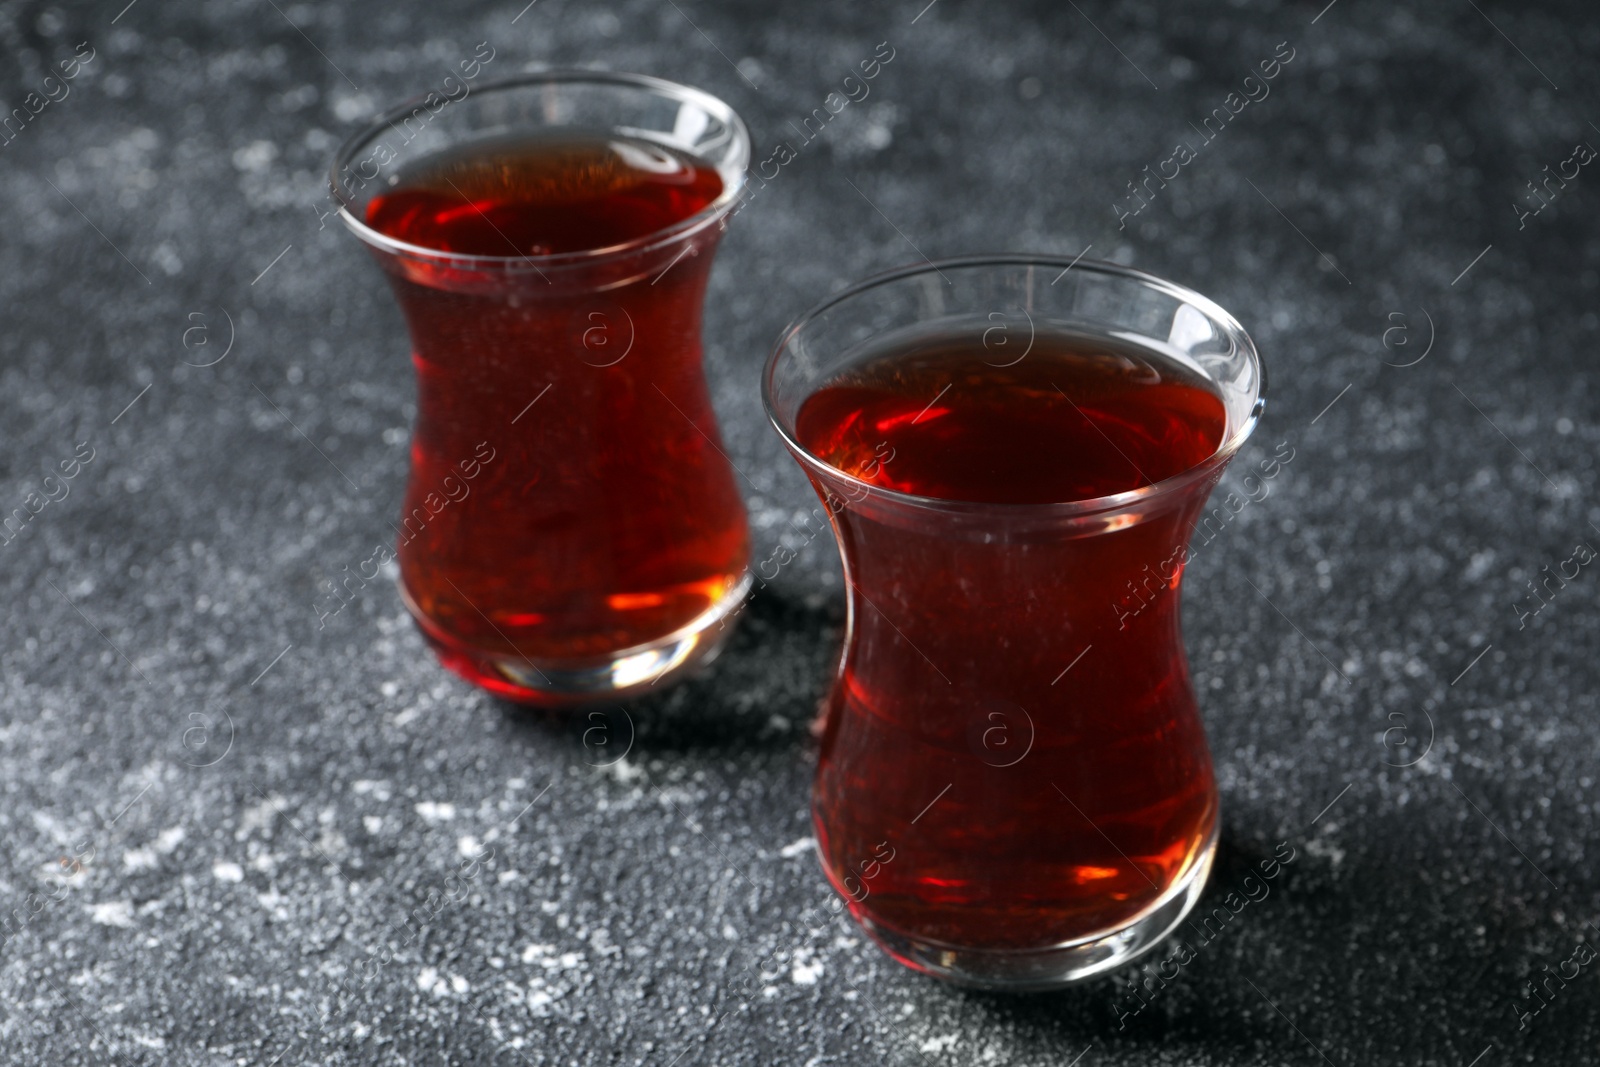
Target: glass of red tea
x,y
1014,789
572,529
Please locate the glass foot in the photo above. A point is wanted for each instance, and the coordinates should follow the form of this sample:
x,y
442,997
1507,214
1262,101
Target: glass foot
x,y
1057,965
627,673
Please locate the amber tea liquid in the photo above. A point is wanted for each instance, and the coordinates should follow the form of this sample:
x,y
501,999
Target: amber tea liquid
x,y
599,515
1023,745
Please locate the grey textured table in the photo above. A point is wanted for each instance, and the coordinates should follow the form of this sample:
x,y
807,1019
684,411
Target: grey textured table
x,y
231,837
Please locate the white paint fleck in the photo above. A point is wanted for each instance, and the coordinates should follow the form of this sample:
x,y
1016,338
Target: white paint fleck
x,y
790,851
469,846
624,772
348,108
255,156
1326,850
459,985
112,913
806,973
227,872
258,817
167,840
940,1044
436,812
139,859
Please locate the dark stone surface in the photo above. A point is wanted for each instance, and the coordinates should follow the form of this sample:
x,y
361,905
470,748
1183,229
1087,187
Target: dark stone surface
x,y
248,845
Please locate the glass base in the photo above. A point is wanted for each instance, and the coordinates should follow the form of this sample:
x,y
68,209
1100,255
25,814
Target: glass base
x,y
1014,970
627,673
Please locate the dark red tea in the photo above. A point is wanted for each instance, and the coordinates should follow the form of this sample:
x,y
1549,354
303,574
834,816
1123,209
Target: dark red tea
x,y
568,498
1012,728
540,196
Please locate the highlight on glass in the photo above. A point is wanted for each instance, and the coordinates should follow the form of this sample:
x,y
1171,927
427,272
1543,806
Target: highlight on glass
x,y
571,529
1014,789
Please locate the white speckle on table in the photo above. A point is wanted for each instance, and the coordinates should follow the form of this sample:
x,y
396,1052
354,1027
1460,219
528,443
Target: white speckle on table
x,y
940,1044
255,156
227,872
258,817
436,812
1326,849
623,771
790,851
430,981
167,840
469,846
139,859
112,913
806,973
545,956
348,108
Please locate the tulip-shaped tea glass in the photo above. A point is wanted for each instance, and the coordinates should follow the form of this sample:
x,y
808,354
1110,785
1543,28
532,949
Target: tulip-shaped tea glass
x,y
571,528
1014,789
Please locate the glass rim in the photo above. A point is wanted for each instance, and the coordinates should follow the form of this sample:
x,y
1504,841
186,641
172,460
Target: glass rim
x,y
732,172
1225,450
